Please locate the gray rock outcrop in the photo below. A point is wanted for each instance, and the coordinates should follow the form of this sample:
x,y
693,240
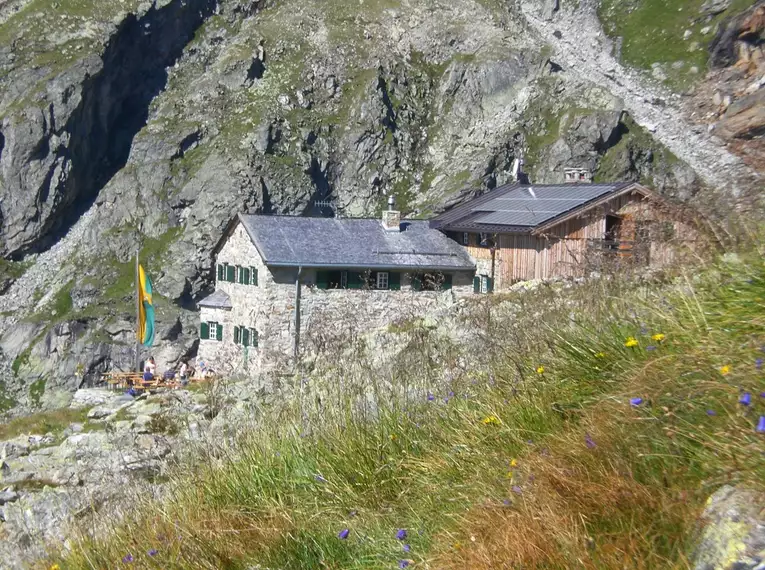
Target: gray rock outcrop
x,y
733,531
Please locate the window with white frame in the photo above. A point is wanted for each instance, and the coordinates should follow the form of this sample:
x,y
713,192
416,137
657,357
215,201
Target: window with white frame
x,y
213,328
465,238
484,283
382,280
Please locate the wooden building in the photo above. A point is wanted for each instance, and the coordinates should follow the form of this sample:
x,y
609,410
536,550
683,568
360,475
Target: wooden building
x,y
523,232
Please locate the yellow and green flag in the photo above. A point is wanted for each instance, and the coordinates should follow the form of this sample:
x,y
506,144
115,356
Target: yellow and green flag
x,y
145,309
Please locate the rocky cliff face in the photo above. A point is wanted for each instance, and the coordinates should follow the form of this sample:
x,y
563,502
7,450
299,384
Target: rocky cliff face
x,y
149,125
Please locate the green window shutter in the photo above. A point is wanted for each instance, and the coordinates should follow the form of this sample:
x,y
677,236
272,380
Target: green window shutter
x,y
394,281
220,331
245,336
221,273
322,279
246,279
237,335
477,284
230,273
490,288
354,280
204,331
253,337
446,284
416,283
254,276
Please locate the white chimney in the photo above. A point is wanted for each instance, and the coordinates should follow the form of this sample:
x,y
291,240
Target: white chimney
x,y
391,219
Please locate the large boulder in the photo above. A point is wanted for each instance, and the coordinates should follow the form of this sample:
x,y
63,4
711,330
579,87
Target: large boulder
x,y
732,531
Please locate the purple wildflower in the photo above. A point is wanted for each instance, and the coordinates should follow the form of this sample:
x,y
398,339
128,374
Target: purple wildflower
x,y
517,490
320,479
152,552
758,363
588,441
401,534
650,347
762,394
761,425
407,548
431,397
506,502
403,563
127,559
636,401
451,394
343,534
746,399
711,413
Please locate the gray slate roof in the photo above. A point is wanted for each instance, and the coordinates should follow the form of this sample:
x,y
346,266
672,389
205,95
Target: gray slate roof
x,y
521,208
218,300
352,243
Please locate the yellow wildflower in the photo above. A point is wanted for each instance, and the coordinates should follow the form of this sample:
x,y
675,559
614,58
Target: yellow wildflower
x,y
393,437
55,567
514,463
600,355
540,370
509,475
490,421
631,341
658,337
457,546
725,370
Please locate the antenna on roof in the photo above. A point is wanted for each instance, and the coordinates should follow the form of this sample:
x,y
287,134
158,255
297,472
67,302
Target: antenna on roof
x,y
321,204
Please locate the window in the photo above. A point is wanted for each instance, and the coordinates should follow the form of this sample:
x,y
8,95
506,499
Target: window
x,y
465,238
382,280
483,284
243,275
254,276
431,282
210,331
221,272
485,240
246,336
230,273
332,279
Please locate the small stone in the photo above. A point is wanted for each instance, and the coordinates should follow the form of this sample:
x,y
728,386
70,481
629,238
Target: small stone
x,y
8,497
687,34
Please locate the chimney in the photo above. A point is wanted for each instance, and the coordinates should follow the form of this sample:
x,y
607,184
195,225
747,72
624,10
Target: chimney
x,y
577,175
391,219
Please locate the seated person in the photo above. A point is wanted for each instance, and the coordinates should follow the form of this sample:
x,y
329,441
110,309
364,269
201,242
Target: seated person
x,y
147,376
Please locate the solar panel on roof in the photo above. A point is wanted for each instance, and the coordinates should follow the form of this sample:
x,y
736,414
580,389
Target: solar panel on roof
x,y
515,218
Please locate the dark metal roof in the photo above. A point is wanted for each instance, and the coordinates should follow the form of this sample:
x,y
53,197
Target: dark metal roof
x,y
521,208
290,241
218,300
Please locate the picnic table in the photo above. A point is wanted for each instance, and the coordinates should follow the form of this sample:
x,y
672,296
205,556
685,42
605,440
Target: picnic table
x,y
117,380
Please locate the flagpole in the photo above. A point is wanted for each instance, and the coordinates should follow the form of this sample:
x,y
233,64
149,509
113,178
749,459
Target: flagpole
x,y
137,313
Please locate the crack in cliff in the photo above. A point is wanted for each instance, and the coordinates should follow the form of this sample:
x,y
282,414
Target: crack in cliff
x,y
114,108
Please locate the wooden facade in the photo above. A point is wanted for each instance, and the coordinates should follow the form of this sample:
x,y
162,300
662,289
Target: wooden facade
x,y
640,233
